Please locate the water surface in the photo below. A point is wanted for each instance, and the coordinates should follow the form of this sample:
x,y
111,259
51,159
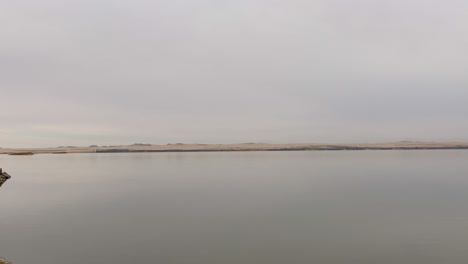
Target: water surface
x,y
386,207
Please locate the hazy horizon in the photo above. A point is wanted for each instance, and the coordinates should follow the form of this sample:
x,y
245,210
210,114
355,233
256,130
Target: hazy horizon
x,y
187,146
122,72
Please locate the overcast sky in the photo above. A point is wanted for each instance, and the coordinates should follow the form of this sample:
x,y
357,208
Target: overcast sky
x,y
83,72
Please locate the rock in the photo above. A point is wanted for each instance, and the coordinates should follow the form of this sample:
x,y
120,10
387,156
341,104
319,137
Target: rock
x,y
3,178
4,261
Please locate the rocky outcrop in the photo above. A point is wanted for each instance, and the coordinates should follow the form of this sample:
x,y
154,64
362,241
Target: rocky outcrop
x,y
3,178
4,261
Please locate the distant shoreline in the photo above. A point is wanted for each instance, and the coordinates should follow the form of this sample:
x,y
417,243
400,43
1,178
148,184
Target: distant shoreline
x,y
139,148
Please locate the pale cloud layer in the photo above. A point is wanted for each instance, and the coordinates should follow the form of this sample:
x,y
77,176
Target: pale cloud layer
x,y
83,72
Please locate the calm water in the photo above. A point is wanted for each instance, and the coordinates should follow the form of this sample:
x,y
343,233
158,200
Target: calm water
x,y
384,207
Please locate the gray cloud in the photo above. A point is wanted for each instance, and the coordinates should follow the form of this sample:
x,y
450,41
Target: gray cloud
x,y
115,72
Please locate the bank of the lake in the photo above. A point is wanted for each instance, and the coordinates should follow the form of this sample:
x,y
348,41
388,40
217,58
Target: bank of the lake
x,y
404,145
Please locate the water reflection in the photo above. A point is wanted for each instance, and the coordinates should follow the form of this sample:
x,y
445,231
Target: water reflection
x,y
381,207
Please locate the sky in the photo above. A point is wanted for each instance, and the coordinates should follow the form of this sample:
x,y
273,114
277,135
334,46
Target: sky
x,y
108,72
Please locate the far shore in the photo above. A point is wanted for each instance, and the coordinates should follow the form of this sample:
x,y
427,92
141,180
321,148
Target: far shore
x,y
179,147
